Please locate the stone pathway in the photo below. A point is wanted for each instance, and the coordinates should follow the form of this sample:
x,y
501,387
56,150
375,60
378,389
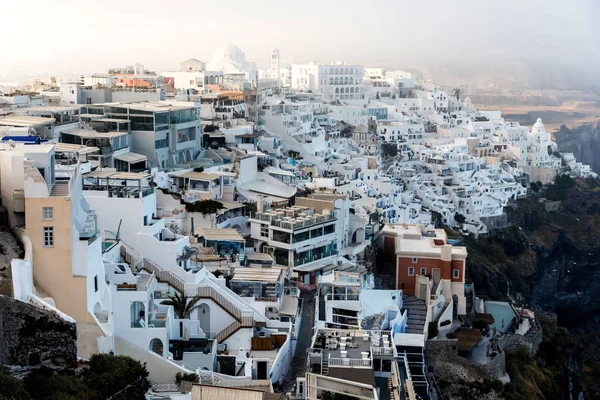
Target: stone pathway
x,y
298,367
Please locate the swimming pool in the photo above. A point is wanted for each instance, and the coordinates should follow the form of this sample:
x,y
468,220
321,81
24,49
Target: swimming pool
x,y
503,314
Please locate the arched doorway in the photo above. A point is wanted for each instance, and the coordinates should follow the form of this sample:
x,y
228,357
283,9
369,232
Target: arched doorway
x,y
138,314
156,345
204,317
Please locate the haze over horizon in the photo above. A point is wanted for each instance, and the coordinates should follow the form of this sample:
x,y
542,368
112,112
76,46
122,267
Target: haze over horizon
x,y
70,36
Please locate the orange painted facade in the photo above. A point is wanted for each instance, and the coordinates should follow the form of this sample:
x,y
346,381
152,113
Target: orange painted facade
x,y
406,281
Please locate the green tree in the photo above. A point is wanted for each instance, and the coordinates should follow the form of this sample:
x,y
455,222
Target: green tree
x,y
250,207
459,218
389,150
218,273
107,375
205,207
182,304
456,93
534,187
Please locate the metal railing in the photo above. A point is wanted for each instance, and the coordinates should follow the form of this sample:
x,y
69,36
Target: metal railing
x,y
351,362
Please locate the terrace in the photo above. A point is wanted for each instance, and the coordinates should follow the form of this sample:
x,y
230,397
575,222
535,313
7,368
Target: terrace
x,y
295,218
118,184
348,349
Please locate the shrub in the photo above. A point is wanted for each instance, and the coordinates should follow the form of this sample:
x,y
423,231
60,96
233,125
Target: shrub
x,y
107,374
192,377
446,322
45,383
12,388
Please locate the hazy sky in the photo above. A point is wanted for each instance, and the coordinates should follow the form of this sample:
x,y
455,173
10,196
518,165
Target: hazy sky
x,y
83,35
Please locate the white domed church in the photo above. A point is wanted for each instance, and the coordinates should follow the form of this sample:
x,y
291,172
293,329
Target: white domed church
x,y
231,60
537,154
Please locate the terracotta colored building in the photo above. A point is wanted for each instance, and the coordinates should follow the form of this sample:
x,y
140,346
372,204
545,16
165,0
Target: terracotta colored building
x,y
425,253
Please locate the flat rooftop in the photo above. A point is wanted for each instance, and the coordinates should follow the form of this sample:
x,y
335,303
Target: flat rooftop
x,y
154,106
52,109
25,121
219,234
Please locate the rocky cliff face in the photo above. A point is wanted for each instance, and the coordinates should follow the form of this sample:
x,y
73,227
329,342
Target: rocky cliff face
x,y
30,335
549,261
583,142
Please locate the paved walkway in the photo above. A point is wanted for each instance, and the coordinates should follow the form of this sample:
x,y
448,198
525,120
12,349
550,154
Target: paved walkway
x,y
298,367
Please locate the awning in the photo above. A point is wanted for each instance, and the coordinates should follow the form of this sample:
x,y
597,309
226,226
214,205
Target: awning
x,y
131,157
259,257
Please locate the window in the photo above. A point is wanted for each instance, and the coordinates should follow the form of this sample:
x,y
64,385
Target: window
x,y
48,213
414,260
264,230
456,273
48,236
96,283
423,271
411,271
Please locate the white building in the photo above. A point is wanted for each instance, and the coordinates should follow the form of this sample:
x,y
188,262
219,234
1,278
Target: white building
x,y
335,82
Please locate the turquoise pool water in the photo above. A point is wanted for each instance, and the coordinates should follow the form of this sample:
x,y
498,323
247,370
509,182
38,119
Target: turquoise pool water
x,y
502,313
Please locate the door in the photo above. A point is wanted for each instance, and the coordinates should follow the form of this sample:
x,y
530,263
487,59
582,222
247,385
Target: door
x,y
423,292
436,275
261,370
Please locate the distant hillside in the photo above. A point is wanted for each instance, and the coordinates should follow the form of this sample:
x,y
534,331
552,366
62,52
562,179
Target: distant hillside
x,y
583,142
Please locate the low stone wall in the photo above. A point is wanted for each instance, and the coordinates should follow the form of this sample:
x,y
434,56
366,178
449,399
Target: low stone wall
x,y
531,340
30,335
443,359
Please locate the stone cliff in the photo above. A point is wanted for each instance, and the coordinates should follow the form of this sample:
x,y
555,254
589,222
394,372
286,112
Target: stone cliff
x,y
583,142
549,261
30,335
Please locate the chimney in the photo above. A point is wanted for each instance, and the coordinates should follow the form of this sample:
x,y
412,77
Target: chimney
x,y
447,252
259,203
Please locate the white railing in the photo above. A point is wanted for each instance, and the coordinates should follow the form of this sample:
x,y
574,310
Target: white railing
x,y
221,300
165,387
383,351
215,378
350,362
228,331
162,275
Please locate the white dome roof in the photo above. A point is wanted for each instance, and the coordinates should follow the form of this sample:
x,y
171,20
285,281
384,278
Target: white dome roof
x,y
538,124
229,53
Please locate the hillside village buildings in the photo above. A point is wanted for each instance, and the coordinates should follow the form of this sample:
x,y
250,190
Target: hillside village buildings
x,y
273,207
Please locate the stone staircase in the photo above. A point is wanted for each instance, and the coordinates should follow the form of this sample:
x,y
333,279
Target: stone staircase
x,y
241,321
417,312
60,189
